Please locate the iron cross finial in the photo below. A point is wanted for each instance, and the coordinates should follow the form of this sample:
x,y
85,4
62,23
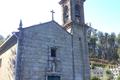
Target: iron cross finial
x,y
52,14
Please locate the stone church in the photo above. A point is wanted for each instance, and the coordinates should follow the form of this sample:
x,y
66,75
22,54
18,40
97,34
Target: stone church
x,y
49,51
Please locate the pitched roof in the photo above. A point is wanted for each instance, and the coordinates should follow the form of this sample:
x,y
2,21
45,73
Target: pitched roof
x,y
8,44
11,41
48,23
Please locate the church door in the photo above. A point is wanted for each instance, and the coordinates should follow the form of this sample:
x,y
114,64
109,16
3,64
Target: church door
x,y
53,77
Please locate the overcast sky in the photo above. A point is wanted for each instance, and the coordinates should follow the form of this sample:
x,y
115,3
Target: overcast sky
x,y
104,15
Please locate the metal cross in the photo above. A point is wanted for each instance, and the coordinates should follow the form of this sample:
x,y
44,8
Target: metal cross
x,y
52,14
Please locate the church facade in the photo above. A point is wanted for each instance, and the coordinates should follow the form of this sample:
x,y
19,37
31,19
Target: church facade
x,y
49,51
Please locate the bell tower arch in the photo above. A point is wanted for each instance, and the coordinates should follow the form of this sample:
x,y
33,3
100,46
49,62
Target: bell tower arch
x,y
72,12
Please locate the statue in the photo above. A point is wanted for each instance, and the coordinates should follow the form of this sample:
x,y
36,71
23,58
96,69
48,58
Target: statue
x,y
52,66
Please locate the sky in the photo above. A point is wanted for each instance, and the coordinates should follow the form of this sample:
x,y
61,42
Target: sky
x,y
104,15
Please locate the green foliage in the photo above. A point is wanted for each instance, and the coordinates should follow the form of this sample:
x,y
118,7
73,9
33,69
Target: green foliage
x,y
118,78
118,39
94,78
92,66
118,42
104,46
109,75
118,52
97,65
108,72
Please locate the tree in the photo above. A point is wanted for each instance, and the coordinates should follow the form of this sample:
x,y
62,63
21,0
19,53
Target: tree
x,y
92,42
118,39
118,42
113,48
102,44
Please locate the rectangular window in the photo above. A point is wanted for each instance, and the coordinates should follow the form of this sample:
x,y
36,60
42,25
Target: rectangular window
x,y
53,78
53,52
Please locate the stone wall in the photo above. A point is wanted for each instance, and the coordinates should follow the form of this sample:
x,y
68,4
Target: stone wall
x,y
37,42
7,68
80,50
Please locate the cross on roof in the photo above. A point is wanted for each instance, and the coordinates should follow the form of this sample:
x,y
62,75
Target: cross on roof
x,y
52,14
20,25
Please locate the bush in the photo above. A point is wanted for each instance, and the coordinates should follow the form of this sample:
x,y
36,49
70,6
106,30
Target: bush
x,y
94,78
118,78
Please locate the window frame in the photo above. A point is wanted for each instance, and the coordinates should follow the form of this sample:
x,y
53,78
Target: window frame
x,y
53,52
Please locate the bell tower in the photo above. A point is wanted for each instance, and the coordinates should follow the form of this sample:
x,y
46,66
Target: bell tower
x,y
73,21
73,12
